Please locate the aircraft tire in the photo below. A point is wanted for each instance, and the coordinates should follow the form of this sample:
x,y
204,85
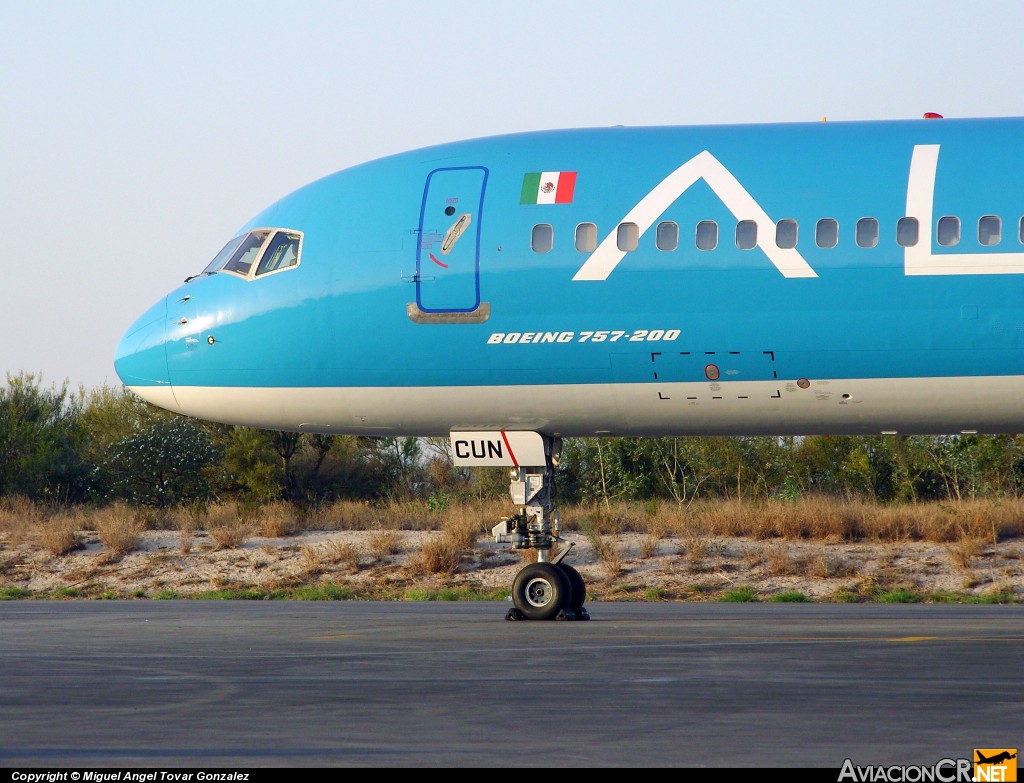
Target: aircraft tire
x,y
579,587
541,591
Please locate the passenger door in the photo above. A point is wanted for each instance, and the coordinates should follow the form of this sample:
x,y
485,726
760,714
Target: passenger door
x,y
448,252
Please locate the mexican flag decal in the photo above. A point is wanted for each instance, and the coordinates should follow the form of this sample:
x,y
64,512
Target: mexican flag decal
x,y
548,187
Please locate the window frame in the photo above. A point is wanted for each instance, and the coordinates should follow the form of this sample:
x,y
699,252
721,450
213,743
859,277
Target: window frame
x,y
908,220
817,233
266,246
744,224
697,235
796,233
657,236
627,227
272,232
999,230
867,221
949,220
255,259
533,238
234,243
576,237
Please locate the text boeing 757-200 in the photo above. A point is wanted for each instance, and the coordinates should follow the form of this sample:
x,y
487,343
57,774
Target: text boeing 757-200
x,y
858,277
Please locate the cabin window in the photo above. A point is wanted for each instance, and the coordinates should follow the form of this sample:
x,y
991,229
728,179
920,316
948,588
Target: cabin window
x,y
586,237
627,237
785,234
282,253
867,232
543,238
1020,231
746,235
242,259
990,230
668,236
947,232
826,233
908,231
707,234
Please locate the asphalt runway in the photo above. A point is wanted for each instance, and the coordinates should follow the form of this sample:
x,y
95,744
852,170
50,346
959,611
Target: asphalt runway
x,y
255,684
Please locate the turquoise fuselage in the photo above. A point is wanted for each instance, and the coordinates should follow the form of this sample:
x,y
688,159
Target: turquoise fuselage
x,y
373,303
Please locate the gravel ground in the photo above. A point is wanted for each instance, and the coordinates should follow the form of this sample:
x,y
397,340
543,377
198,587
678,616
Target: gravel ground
x,y
633,567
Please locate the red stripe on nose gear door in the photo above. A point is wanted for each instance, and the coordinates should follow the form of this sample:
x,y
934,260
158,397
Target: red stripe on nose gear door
x,y
504,437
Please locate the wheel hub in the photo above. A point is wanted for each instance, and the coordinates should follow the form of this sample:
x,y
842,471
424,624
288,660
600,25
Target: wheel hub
x,y
539,592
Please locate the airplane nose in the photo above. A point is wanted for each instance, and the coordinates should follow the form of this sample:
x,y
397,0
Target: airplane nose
x,y
141,358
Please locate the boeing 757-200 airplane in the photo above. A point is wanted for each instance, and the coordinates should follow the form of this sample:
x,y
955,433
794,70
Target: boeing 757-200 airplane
x,y
839,277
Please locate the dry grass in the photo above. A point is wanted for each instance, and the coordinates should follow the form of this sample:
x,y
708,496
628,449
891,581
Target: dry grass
x,y
753,556
6,566
409,515
188,519
630,563
119,528
808,518
439,555
965,550
791,539
312,560
527,556
617,518
903,523
186,532
394,515
888,558
779,560
340,515
320,558
696,547
227,525
988,520
730,518
20,518
828,565
463,526
362,515
384,543
649,547
702,554
278,519
59,534
611,555
596,525
663,520
343,554
817,518
158,518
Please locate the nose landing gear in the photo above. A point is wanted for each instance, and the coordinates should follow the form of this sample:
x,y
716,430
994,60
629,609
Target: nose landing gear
x,y
540,592
548,589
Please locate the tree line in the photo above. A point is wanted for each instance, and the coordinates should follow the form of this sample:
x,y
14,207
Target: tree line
x,y
95,446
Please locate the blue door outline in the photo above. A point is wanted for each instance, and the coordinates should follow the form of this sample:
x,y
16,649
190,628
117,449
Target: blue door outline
x,y
450,283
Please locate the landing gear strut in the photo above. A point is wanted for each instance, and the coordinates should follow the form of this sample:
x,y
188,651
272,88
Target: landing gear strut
x,y
548,589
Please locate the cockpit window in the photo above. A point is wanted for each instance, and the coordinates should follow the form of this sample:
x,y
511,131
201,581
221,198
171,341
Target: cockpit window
x,y
242,260
221,258
266,249
281,253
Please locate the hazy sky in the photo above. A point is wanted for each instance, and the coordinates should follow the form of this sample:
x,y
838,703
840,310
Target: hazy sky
x,y
135,137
